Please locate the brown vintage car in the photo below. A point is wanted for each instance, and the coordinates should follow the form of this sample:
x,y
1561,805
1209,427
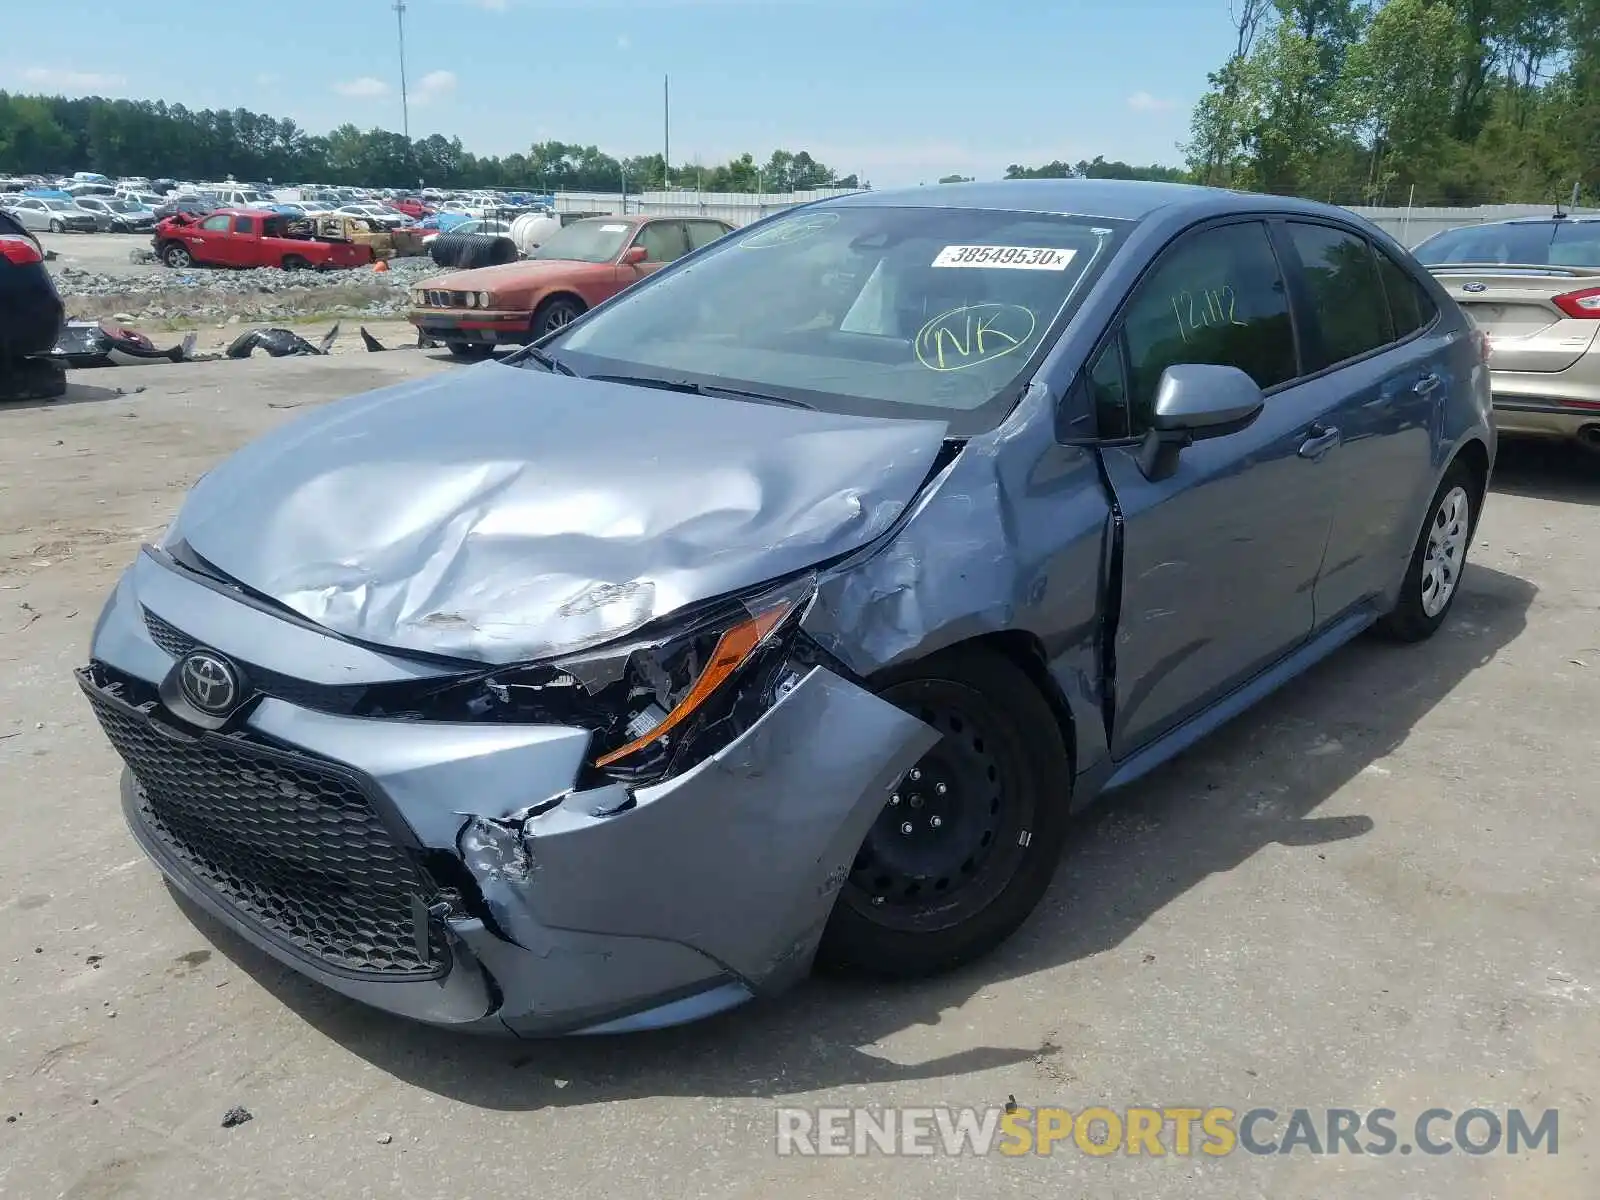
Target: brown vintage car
x,y
582,264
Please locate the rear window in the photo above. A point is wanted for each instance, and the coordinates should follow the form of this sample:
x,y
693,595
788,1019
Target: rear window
x,y
1346,293
1410,306
1525,243
1576,244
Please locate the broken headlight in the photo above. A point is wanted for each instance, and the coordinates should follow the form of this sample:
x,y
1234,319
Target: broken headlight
x,y
655,704
683,697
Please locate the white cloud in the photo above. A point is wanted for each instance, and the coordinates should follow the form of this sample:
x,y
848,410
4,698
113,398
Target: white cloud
x,y
433,86
72,81
365,86
1145,102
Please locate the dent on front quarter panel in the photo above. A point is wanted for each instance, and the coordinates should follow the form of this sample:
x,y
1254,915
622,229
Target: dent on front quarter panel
x,y
738,859
1010,537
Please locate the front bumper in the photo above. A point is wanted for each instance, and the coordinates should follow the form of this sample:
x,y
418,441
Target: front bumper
x,y
608,911
487,326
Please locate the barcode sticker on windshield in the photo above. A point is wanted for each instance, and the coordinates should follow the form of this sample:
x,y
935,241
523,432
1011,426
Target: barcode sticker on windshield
x,y
1015,258
613,228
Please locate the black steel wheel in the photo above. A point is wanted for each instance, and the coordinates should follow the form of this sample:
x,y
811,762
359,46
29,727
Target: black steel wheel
x,y
969,838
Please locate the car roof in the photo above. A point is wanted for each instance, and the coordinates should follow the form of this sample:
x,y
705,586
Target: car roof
x,y
1113,199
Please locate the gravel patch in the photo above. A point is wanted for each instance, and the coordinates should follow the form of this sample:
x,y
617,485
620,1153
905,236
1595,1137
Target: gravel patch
x,y
201,296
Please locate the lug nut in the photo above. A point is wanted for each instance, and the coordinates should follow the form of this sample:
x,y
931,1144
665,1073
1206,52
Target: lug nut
x,y
915,774
895,798
906,828
935,822
940,788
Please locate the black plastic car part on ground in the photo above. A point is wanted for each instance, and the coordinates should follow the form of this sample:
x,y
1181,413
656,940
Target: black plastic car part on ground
x,y
30,316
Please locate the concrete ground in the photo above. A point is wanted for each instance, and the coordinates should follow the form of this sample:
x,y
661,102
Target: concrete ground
x,y
1379,889
102,253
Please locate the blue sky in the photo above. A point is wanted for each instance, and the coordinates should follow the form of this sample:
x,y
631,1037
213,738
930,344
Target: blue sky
x,y
902,91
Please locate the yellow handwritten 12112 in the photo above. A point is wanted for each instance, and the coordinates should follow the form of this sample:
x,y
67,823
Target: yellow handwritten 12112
x,y
1217,306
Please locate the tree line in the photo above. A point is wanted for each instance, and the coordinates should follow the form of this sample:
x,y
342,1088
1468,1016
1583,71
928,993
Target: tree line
x,y
1444,101
55,135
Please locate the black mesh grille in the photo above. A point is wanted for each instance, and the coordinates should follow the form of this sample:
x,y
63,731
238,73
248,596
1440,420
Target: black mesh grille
x,y
291,842
172,640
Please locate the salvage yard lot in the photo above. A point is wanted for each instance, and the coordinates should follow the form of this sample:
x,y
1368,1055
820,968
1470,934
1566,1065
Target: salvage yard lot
x,y
1378,889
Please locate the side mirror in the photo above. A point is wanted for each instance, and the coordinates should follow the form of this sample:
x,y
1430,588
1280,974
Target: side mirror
x,y
1195,401
633,256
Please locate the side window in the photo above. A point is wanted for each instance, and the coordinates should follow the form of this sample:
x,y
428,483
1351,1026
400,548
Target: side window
x,y
1409,304
663,241
241,224
703,233
1347,298
1219,297
1108,392
215,224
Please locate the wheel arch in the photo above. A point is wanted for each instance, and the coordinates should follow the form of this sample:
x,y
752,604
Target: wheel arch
x,y
1025,651
1474,455
549,298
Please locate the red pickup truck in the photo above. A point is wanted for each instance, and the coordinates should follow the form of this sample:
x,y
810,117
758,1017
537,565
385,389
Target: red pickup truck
x,y
245,237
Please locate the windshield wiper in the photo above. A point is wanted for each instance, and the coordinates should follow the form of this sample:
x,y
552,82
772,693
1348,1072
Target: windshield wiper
x,y
700,389
546,361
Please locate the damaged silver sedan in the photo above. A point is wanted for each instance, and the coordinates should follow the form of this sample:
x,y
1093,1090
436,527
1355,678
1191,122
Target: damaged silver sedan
x,y
782,610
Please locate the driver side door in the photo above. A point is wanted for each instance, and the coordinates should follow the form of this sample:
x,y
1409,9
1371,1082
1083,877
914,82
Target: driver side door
x,y
206,240
1221,557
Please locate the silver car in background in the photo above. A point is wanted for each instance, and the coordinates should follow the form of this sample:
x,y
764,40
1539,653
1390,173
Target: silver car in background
x,y
1532,284
47,214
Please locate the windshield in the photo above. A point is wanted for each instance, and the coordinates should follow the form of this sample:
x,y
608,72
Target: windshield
x,y
592,241
874,310
121,206
61,205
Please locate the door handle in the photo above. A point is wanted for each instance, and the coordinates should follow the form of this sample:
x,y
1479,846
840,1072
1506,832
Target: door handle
x,y
1426,384
1323,438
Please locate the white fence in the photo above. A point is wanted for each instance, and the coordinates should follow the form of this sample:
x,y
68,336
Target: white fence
x,y
1409,225
1412,226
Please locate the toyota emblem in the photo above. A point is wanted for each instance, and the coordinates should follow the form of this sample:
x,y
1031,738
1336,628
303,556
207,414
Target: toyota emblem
x,y
209,682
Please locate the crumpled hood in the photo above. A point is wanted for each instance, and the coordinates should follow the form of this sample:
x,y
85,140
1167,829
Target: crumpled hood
x,y
503,514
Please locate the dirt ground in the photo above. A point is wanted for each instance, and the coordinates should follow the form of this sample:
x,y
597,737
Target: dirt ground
x,y
1378,889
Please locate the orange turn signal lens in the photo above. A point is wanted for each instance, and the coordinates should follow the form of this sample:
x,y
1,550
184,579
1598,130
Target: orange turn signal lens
x,y
733,648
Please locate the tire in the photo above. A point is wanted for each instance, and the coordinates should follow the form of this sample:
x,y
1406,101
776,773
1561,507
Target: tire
x,y
555,313
177,256
468,251
469,351
1433,576
969,840
293,262
57,227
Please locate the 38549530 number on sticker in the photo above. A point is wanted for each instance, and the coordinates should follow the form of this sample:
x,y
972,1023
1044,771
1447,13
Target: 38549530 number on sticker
x,y
1015,258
